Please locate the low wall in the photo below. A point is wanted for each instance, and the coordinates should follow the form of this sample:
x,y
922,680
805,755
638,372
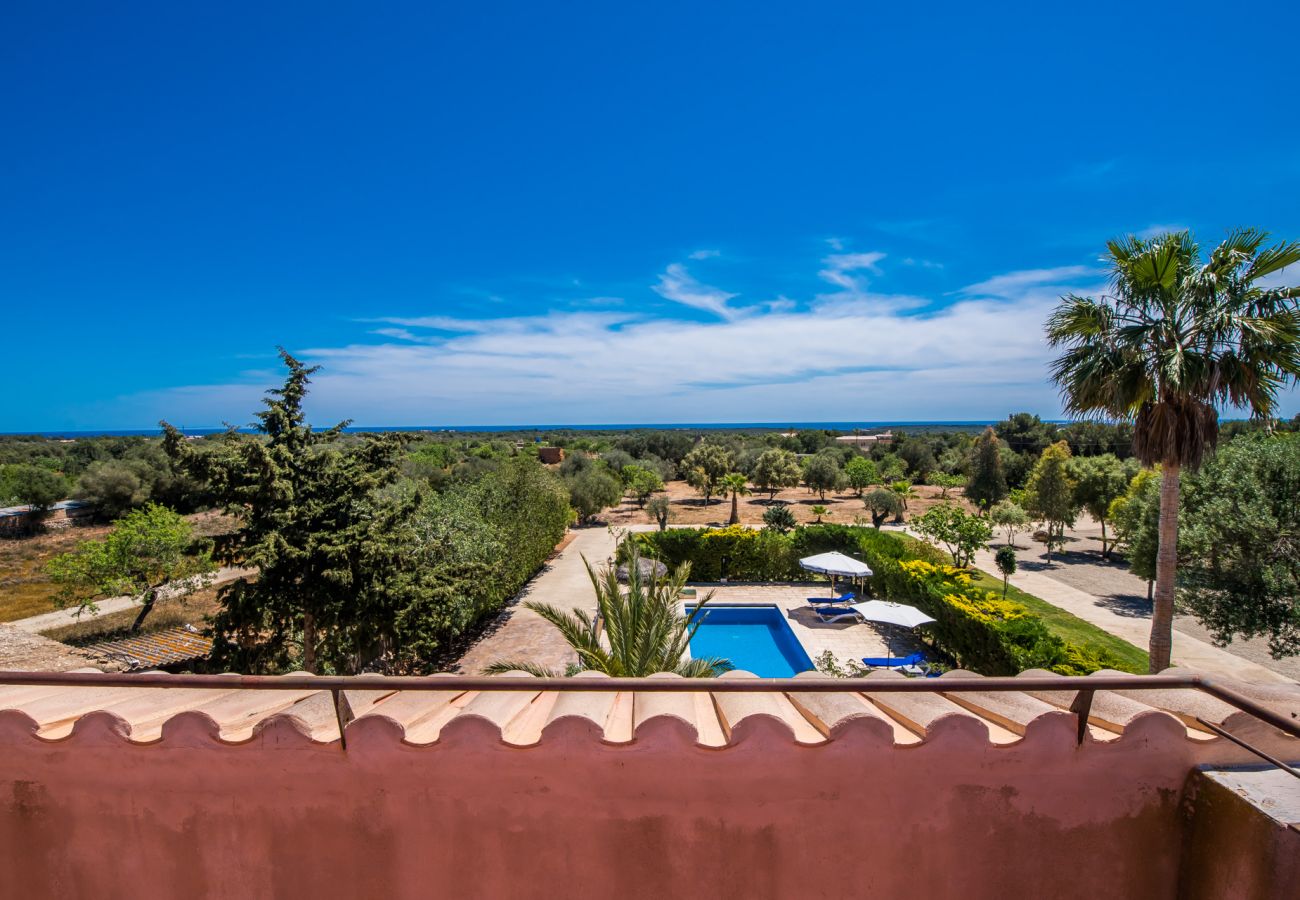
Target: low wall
x,y
281,815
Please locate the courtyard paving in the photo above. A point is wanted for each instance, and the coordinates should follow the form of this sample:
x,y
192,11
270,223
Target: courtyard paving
x,y
521,635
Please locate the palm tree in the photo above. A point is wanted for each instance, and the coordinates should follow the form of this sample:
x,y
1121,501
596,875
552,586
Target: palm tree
x,y
818,511
903,489
738,486
644,631
1176,337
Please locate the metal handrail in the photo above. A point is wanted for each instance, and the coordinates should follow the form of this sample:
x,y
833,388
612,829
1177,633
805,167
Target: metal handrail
x,y
1086,685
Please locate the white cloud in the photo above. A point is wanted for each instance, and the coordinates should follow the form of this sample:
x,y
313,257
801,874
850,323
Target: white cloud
x,y
1288,277
1014,284
705,254
850,355
677,285
839,268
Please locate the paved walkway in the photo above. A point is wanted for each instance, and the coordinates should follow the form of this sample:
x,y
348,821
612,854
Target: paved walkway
x,y
1189,652
61,617
520,634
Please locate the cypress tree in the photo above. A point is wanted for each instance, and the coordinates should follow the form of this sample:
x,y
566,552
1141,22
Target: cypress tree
x,y
328,550
988,483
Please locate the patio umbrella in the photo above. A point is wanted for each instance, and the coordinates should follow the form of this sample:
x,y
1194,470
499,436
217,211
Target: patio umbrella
x,y
650,568
887,613
835,564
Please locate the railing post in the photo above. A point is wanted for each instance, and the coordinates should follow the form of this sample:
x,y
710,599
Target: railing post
x,y
1082,707
340,716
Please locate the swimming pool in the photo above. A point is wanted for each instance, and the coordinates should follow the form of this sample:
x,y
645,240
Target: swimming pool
x,y
755,638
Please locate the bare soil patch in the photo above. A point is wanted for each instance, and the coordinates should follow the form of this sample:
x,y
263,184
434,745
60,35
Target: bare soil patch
x,y
843,507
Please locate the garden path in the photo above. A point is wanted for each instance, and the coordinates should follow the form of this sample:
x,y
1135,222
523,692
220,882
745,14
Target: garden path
x,y
520,634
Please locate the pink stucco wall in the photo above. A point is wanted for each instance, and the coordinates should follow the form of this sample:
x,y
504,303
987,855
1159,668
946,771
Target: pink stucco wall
x,y
469,816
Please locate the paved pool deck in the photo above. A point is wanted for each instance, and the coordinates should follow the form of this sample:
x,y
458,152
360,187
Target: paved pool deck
x,y
847,640
521,635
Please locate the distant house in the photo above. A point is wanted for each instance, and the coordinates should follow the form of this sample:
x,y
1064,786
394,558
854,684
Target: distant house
x,y
866,441
550,455
21,519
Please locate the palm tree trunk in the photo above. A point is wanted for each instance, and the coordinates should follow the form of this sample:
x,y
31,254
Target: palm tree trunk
x,y
735,509
1162,613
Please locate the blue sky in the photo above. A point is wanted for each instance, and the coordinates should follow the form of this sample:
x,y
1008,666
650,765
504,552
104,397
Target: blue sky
x,y
576,213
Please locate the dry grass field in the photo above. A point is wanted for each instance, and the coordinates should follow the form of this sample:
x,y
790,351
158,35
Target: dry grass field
x,y
25,590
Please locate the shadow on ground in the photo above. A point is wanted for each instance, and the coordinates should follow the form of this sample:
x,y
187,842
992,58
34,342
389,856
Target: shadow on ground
x,y
1132,605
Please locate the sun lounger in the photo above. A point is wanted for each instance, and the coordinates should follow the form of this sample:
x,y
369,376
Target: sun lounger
x,y
894,662
841,600
836,614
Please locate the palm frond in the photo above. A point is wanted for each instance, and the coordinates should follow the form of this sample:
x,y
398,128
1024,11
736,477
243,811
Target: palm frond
x,y
1177,337
503,666
643,628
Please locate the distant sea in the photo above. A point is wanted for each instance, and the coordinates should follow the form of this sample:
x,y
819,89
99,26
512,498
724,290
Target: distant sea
x,y
482,429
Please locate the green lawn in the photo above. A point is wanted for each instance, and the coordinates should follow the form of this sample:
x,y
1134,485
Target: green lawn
x,y
1069,626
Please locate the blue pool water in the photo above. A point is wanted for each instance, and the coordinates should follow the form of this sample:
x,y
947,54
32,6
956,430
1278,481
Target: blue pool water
x,y
755,638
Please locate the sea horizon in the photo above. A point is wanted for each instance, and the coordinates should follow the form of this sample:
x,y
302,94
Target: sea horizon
x,y
861,425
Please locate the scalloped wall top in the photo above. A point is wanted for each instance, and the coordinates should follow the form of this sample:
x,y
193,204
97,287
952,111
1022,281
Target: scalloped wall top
x,y
712,720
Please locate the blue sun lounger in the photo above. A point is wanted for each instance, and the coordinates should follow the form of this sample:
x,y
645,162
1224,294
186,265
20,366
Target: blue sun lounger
x,y
893,662
832,601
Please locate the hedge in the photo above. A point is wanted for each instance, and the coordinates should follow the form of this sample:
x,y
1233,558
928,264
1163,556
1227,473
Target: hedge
x,y
977,628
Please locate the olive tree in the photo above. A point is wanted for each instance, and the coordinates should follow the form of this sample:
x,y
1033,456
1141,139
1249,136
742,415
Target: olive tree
x,y
149,549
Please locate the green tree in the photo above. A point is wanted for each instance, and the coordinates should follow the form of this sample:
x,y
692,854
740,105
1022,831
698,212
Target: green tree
x,y
882,503
331,549
891,469
147,550
1136,517
737,485
635,632
705,467
947,483
1240,543
641,483
113,486
1099,482
987,483
1051,493
37,486
821,473
1005,559
818,510
779,518
592,490
775,469
660,510
919,458
861,473
962,533
1011,517
1178,336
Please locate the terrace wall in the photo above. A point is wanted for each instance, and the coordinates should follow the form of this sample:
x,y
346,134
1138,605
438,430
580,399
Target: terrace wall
x,y
286,814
